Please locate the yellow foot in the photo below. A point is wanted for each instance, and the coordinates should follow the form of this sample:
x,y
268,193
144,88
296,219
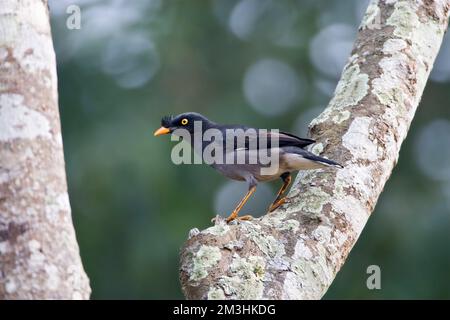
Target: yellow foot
x,y
275,205
243,218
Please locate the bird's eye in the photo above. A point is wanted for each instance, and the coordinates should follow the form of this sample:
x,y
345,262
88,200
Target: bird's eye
x,y
184,121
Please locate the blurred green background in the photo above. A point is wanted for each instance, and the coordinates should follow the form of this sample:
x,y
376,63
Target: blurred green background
x,y
266,63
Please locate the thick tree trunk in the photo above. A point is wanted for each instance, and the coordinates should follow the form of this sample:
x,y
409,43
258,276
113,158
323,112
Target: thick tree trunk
x,y
39,255
295,252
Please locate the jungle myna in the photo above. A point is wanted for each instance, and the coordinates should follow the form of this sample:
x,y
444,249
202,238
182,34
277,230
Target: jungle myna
x,y
239,144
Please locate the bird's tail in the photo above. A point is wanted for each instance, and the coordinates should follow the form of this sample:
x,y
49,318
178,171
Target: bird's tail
x,y
323,161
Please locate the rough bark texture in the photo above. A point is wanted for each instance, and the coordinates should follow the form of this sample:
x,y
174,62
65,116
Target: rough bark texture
x,y
295,252
39,255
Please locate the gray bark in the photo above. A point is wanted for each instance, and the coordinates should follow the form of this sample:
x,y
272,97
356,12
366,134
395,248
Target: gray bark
x,y
39,255
296,251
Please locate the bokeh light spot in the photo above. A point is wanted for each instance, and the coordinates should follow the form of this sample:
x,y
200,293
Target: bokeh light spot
x,y
131,59
432,150
272,87
331,47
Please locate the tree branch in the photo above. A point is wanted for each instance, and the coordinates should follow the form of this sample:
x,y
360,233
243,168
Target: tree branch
x,y
39,255
295,252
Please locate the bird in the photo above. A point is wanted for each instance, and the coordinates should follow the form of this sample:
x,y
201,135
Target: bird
x,y
288,151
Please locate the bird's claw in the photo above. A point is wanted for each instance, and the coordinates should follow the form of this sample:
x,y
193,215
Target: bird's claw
x,y
239,218
218,219
277,204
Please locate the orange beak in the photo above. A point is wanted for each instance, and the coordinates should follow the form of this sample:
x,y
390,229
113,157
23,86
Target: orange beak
x,y
162,130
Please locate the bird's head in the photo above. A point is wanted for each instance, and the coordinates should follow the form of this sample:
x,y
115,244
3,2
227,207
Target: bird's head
x,y
182,121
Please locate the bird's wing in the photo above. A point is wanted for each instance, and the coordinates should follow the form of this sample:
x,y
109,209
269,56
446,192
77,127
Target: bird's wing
x,y
288,139
252,141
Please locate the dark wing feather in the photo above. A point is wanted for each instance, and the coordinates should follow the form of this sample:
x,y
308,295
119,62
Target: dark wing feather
x,y
324,161
284,139
288,139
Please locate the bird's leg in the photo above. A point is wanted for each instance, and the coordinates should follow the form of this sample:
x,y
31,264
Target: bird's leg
x,y
234,214
279,200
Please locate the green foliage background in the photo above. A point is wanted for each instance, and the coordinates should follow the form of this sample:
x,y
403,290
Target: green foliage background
x,y
135,61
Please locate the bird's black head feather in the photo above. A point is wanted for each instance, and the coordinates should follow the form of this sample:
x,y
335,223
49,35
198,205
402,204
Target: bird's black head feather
x,y
166,121
185,121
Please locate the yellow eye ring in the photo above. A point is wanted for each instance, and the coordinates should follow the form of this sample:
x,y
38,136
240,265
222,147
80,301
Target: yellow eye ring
x,y
184,121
